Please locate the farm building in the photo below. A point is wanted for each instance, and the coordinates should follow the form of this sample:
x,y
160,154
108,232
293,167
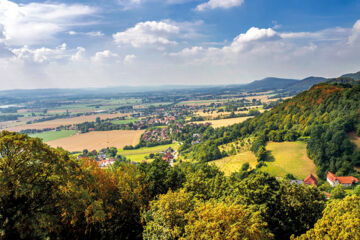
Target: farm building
x,y
311,180
346,181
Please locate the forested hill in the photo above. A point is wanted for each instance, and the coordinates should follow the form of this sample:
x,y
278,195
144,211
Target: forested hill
x,y
322,116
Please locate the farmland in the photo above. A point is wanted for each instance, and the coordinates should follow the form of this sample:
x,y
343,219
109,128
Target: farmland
x,y
54,135
98,140
64,121
224,122
290,157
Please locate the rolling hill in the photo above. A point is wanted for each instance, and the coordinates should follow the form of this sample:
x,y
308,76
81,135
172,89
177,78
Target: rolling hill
x,y
322,117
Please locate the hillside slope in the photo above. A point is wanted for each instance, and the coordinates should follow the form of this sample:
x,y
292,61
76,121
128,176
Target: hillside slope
x,y
323,115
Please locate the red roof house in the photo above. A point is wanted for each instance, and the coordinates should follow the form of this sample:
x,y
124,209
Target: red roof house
x,y
346,181
311,180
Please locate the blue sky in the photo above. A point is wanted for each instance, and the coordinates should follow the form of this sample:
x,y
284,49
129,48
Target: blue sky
x,y
155,42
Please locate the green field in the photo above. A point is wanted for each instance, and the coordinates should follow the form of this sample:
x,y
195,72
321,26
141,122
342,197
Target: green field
x,y
54,135
234,163
125,121
290,157
137,155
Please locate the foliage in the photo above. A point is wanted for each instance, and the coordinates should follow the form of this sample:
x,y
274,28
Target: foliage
x,y
166,217
338,192
212,220
341,220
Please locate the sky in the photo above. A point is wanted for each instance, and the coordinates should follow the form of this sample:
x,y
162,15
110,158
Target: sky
x,y
104,43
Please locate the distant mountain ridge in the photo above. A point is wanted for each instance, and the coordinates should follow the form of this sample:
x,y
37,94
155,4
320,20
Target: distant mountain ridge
x,y
286,84
355,76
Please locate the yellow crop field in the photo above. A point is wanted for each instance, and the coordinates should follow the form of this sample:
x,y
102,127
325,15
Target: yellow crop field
x,y
225,122
98,140
64,121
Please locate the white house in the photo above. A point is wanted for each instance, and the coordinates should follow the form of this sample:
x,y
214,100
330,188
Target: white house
x,y
346,181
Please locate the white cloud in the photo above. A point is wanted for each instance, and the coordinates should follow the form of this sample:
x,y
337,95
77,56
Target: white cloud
x,y
355,34
225,4
105,56
34,23
150,33
79,55
186,52
129,59
91,34
39,55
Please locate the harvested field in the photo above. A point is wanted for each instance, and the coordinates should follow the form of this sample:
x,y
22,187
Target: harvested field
x,y
64,121
98,140
225,122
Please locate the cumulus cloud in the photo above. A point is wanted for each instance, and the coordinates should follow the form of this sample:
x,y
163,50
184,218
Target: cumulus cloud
x,y
129,59
105,56
39,55
79,55
34,23
225,4
355,34
150,33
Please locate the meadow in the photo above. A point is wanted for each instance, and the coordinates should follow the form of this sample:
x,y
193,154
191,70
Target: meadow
x,y
137,155
290,157
54,135
125,121
98,140
234,163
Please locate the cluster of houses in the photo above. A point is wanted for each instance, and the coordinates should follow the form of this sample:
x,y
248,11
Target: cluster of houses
x,y
169,155
101,158
332,179
156,135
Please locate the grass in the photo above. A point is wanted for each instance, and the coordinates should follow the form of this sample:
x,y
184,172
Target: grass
x,y
290,157
54,135
138,155
234,163
125,121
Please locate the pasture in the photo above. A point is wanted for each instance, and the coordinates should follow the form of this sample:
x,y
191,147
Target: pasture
x,y
290,157
224,122
234,163
137,155
98,140
64,121
125,121
53,135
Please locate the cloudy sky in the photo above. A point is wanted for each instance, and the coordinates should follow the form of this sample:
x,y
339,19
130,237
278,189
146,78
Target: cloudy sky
x,y
100,43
